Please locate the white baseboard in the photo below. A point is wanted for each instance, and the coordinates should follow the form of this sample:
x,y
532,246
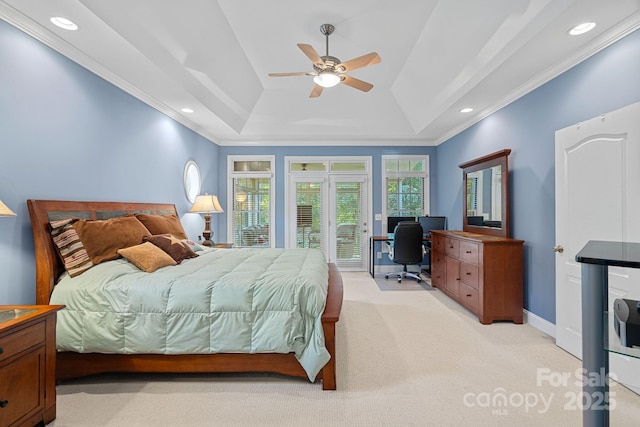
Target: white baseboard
x,y
540,323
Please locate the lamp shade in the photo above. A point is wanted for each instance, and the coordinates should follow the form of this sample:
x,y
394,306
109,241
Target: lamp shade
x,y
5,211
206,203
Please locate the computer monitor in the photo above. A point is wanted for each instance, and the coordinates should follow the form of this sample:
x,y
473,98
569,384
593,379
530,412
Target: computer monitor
x,y
429,223
392,221
475,220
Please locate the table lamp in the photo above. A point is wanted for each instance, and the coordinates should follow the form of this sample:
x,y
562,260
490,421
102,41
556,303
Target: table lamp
x,y
5,211
206,204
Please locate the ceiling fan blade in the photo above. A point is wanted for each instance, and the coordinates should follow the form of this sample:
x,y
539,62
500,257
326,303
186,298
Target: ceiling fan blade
x,y
311,53
356,83
301,73
359,62
316,92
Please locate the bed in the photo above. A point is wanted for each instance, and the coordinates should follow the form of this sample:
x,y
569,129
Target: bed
x,y
71,364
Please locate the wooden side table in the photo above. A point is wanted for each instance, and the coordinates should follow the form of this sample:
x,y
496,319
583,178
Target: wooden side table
x,y
27,364
222,245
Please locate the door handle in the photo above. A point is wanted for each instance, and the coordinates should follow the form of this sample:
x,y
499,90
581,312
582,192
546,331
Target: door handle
x,y
558,249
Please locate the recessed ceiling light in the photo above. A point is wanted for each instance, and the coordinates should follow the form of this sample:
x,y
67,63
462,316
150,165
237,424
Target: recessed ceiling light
x,y
466,110
64,23
582,28
187,110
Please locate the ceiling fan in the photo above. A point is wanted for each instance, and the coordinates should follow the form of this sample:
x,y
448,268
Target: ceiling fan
x,y
329,70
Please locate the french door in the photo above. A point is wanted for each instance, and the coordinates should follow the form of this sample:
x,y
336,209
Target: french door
x,y
329,211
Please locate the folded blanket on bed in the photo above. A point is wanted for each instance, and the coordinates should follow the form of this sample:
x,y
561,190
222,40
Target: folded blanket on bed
x,y
241,300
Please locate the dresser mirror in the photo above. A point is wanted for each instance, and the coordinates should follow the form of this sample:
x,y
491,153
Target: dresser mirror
x,y
486,195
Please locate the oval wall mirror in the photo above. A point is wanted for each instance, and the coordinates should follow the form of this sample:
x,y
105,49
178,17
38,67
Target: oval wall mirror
x,y
192,181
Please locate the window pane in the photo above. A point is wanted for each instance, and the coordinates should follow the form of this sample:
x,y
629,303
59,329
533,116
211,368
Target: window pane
x,y
348,210
406,182
405,196
252,166
348,167
251,216
309,223
308,167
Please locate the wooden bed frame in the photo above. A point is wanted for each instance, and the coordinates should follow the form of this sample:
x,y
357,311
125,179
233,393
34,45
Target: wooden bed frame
x,y
73,365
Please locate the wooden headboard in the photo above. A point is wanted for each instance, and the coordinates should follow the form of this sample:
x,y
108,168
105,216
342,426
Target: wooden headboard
x,y
48,264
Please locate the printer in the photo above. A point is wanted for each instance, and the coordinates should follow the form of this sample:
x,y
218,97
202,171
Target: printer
x,y
627,321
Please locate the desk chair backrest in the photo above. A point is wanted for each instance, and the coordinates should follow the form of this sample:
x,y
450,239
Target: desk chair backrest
x,y
407,243
346,231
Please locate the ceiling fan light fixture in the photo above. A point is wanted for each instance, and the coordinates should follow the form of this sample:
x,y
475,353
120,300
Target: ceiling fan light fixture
x,y
326,79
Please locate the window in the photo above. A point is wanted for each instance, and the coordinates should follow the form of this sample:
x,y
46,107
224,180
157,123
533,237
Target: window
x,y
473,188
405,186
251,196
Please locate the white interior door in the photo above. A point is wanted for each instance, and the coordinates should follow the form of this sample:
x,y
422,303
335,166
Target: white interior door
x,y
597,198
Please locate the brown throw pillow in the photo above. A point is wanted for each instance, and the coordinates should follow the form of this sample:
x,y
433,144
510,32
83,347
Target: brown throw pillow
x,y
103,238
163,224
69,246
172,246
147,257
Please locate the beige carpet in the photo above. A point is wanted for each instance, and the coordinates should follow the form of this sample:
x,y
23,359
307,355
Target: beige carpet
x,y
404,359
392,284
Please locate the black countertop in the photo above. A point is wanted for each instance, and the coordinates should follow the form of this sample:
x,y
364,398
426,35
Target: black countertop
x,y
619,254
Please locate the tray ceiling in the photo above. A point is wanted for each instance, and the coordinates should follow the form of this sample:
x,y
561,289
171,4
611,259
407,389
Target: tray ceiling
x,y
437,57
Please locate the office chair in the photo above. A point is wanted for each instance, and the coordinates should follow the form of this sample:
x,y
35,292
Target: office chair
x,y
406,248
345,240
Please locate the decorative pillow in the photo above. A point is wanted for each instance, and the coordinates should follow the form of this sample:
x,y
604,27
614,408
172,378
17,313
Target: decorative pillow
x,y
172,246
195,247
103,238
147,257
163,224
69,246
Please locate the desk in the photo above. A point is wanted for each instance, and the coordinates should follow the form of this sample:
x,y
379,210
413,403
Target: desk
x,y
596,257
372,252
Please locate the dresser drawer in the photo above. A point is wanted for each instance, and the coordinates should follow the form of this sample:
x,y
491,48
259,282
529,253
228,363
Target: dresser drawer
x,y
437,269
437,243
469,252
469,274
16,342
452,247
468,296
452,275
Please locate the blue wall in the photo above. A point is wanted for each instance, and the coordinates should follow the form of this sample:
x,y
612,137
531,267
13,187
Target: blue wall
x,y
605,82
65,133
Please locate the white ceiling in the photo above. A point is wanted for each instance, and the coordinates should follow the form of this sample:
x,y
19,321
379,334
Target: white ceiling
x,y
437,57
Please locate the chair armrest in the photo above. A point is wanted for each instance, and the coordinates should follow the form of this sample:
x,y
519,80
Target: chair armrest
x,y
390,248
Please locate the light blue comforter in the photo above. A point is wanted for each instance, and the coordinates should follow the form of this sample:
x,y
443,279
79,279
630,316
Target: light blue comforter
x,y
245,300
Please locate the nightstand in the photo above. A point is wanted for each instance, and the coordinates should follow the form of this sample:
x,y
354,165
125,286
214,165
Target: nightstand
x,y
222,245
27,364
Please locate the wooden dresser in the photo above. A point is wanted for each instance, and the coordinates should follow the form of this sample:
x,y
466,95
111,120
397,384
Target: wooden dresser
x,y
483,273
27,364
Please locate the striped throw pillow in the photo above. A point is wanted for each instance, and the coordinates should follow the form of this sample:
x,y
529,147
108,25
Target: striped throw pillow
x,y
73,254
